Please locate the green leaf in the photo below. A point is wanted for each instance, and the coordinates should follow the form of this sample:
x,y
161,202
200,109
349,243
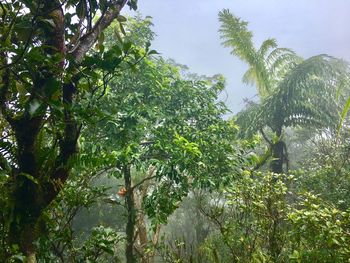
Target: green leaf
x,y
126,46
34,107
132,4
30,177
121,19
343,114
122,29
52,85
153,52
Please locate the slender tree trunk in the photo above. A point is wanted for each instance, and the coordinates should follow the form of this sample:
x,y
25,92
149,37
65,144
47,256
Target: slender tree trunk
x,y
142,230
155,240
144,242
277,157
141,226
130,225
276,167
277,154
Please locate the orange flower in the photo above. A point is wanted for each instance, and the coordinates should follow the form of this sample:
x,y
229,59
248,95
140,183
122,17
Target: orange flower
x,y
122,191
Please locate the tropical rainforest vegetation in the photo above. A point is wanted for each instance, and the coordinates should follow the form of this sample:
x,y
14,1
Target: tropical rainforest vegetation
x,y
111,153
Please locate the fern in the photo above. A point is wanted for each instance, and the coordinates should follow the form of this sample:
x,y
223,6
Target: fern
x,y
292,91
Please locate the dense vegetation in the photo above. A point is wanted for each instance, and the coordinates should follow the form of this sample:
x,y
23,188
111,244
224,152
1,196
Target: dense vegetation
x,y
111,153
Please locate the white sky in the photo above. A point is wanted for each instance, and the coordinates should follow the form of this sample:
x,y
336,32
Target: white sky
x,y
187,31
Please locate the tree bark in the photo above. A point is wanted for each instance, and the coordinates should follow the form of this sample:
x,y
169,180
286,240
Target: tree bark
x,y
131,219
142,229
141,226
277,157
276,165
87,41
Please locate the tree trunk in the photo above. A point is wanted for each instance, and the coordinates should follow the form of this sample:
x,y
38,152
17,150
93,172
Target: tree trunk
x,y
277,157
130,225
155,240
24,234
142,229
141,226
144,242
26,195
276,165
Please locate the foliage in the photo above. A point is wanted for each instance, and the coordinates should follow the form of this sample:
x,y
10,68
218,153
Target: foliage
x,y
263,218
326,171
249,216
102,240
51,74
163,120
68,229
318,231
146,134
293,92
134,122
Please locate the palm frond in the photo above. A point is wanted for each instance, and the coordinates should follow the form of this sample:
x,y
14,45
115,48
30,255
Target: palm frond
x,y
281,65
308,93
250,77
268,44
235,34
250,120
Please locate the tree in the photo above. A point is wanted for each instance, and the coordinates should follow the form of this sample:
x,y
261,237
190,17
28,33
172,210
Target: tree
x,y
292,91
172,151
50,77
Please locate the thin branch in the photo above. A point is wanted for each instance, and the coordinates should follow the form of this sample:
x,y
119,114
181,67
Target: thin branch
x,y
150,177
89,39
265,137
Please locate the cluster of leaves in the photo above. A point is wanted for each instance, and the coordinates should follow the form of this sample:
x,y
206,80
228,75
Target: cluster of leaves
x,y
262,218
66,224
318,231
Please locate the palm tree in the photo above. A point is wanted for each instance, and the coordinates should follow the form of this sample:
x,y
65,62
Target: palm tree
x,y
292,91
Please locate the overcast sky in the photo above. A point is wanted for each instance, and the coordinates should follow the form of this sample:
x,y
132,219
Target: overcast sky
x,y
187,31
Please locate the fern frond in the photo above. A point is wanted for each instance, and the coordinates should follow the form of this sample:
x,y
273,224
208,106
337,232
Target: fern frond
x,y
268,44
308,93
235,34
250,77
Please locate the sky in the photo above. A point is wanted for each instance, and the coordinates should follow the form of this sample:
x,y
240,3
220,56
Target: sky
x,y
187,31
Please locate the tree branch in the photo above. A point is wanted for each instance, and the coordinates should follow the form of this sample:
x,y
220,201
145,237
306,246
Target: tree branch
x,y
88,40
150,177
265,137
